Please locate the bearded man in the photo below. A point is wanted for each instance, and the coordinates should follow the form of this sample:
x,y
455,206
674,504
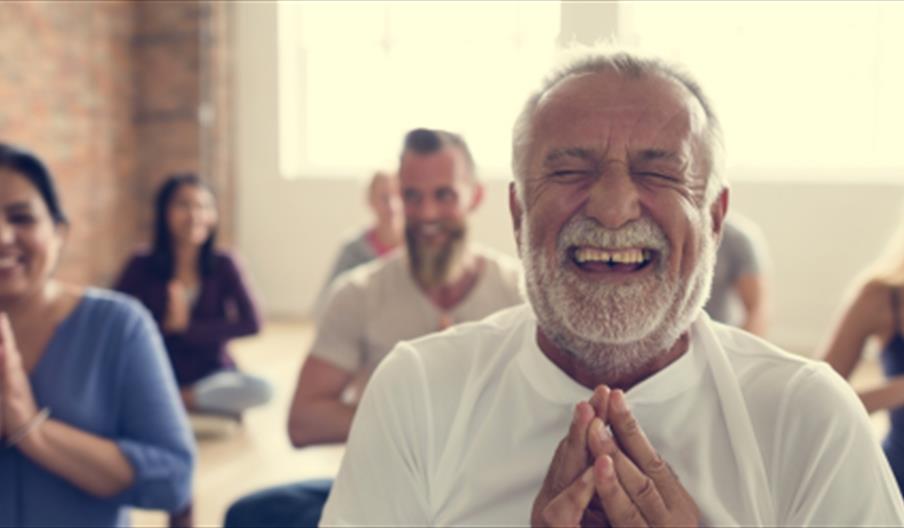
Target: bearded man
x,y
439,280
611,399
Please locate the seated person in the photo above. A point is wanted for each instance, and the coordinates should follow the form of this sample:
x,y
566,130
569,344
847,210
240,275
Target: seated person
x,y
873,311
90,419
378,239
199,298
440,280
611,399
738,294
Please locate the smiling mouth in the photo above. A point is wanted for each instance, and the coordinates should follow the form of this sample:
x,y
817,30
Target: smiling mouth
x,y
624,260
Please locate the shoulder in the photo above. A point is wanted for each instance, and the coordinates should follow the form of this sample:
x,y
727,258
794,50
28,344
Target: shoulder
x,y
112,316
781,386
373,278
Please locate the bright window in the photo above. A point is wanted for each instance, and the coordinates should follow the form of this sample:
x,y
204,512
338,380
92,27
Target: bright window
x,y
355,76
811,85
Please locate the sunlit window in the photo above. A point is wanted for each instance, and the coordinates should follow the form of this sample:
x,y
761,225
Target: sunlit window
x,y
798,85
355,76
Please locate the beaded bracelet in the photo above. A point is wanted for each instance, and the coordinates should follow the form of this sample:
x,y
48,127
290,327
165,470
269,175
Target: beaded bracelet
x,y
26,429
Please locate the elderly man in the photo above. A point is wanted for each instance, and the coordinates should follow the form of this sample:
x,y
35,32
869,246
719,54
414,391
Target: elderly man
x,y
611,398
439,280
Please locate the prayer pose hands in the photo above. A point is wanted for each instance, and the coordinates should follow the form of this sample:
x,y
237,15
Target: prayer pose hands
x,y
17,403
178,310
597,479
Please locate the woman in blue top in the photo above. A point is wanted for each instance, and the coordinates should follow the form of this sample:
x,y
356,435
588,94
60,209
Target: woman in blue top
x,y
90,418
875,311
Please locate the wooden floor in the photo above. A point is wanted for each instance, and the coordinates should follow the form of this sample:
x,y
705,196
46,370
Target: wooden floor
x,y
258,454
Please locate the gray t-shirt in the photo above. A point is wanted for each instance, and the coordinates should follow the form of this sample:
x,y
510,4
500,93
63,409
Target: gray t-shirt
x,y
372,307
741,252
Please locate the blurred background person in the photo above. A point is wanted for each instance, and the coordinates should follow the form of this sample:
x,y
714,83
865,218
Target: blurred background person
x,y
88,405
872,311
200,299
441,278
378,239
739,290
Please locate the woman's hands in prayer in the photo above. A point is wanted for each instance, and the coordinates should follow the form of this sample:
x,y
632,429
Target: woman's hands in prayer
x,y
17,403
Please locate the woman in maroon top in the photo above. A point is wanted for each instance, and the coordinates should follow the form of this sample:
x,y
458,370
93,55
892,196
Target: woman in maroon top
x,y
199,298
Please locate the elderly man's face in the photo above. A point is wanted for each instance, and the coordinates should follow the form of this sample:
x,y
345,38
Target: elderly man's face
x,y
617,241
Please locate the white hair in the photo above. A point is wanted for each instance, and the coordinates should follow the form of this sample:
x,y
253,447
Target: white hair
x,y
578,60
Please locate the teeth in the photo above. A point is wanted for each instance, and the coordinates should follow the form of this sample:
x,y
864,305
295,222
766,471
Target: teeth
x,y
627,256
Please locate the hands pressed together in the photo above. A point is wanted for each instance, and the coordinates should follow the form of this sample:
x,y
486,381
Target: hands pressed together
x,y
598,478
17,403
178,307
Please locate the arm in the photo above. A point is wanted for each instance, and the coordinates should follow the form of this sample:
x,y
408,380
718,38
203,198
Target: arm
x,y
91,463
153,432
383,480
242,320
751,289
318,414
853,329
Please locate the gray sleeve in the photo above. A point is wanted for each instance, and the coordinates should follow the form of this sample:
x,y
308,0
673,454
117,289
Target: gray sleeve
x,y
352,254
746,252
340,329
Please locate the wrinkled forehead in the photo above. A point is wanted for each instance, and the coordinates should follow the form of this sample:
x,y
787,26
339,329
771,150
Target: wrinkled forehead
x,y
614,109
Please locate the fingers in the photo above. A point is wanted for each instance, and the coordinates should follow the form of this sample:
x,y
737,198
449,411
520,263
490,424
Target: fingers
x,y
637,447
619,507
573,451
567,508
639,487
600,402
7,338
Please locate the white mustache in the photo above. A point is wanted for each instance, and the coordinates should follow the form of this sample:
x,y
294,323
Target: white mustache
x,y
584,231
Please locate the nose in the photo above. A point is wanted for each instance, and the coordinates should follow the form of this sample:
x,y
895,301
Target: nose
x,y
427,210
613,199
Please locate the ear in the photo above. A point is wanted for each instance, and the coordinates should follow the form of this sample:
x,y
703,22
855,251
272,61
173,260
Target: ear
x,y
517,213
476,196
718,210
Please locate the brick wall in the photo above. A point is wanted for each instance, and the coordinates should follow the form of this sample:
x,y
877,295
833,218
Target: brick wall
x,y
114,96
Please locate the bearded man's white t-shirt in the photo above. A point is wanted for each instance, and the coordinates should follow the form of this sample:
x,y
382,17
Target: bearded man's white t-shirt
x,y
459,428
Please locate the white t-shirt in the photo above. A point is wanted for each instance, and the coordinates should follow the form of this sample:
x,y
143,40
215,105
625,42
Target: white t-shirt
x,y
459,428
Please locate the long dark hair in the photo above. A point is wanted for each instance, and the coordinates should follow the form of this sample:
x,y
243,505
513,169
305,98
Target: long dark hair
x,y
162,253
32,169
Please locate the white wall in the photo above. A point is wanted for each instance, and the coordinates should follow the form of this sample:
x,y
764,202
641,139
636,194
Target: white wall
x,y
819,234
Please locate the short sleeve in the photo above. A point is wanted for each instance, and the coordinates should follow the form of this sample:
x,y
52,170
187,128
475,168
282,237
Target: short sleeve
x,y
383,480
830,469
153,432
340,329
748,251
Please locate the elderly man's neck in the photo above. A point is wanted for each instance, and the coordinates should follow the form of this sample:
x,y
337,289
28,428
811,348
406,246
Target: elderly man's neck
x,y
617,373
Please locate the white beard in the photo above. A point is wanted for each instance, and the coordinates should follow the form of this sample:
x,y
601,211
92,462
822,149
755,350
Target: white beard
x,y
615,329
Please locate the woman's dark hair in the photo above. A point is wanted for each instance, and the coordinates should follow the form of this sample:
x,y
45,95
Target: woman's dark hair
x,y
162,253
28,165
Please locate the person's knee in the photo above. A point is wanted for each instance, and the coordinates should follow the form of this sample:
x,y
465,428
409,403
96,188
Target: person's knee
x,y
260,391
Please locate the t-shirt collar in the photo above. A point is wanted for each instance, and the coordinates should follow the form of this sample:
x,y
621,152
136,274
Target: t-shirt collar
x,y
554,385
